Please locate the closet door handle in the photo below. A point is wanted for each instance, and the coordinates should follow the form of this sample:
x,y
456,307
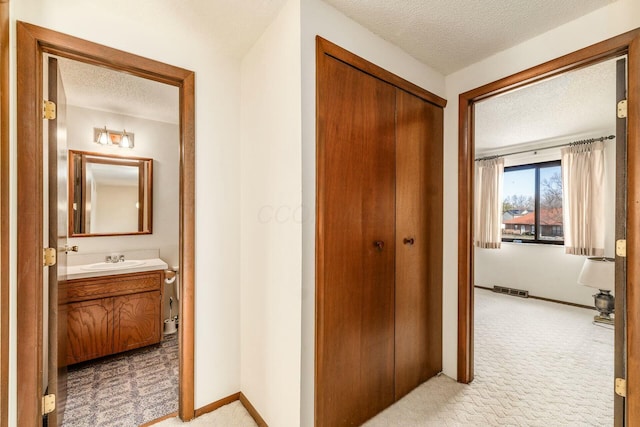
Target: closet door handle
x,y
379,244
408,241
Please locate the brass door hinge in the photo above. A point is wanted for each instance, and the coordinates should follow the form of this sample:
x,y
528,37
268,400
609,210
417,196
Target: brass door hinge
x,y
621,248
622,109
48,110
621,387
49,257
48,404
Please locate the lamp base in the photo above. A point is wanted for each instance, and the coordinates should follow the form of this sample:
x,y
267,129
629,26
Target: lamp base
x,y
607,320
604,302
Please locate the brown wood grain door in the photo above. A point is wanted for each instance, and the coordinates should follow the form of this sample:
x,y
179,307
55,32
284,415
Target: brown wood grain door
x,y
57,226
356,244
620,359
418,316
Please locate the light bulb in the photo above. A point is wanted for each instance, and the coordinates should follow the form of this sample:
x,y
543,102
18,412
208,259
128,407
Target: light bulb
x,y
124,141
103,137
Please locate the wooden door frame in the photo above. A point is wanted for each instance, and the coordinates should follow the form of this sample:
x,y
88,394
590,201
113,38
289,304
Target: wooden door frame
x,y
625,43
32,43
4,213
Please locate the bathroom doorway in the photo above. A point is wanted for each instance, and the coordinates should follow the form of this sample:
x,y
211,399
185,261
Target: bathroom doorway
x,y
118,146
91,63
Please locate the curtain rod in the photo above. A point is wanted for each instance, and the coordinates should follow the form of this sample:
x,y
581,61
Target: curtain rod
x,y
582,141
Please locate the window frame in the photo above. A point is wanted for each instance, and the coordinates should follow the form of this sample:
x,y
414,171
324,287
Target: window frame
x,y
536,167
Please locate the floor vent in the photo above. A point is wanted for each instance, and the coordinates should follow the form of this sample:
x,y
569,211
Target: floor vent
x,y
511,291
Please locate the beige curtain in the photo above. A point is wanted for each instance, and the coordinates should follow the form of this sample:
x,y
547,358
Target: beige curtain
x,y
583,198
488,203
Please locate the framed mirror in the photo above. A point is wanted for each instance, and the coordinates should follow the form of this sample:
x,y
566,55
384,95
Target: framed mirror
x,y
109,195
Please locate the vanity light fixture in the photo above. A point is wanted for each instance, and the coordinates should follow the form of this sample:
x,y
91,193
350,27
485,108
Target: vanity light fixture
x,y
103,136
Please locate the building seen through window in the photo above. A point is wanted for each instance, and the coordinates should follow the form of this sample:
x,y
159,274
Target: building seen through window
x,y
532,203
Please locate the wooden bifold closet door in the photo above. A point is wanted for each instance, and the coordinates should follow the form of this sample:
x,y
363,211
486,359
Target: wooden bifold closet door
x,y
379,240
418,275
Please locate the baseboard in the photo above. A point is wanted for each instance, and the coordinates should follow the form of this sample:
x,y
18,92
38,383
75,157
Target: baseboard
x,y
217,404
252,411
573,304
210,408
232,398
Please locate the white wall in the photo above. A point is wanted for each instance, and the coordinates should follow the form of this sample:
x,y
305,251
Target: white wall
x,y
159,30
319,18
271,221
616,18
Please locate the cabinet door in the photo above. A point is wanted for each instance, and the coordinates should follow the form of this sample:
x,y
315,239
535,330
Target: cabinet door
x,y
136,320
418,348
89,330
355,277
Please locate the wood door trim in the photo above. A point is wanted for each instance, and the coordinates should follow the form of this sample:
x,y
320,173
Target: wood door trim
x,y
32,42
4,213
633,234
630,43
335,51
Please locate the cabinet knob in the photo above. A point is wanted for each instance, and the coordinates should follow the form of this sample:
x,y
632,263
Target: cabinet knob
x,y
408,241
379,244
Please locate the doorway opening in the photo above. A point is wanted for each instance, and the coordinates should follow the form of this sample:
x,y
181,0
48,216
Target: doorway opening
x,y
625,320
530,132
33,44
115,199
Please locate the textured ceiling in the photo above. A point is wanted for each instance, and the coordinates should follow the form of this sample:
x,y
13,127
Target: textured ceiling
x,y
107,90
444,34
450,34
579,103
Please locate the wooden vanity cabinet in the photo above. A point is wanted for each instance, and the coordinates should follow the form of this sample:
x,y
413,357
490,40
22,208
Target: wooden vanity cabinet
x,y
111,314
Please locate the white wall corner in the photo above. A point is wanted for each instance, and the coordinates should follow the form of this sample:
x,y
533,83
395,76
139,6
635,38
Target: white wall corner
x,y
271,220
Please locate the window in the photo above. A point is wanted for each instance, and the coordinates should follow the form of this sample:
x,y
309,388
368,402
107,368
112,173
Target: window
x,y
532,204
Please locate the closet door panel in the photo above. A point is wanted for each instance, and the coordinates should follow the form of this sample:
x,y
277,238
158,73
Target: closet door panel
x,y
355,277
418,314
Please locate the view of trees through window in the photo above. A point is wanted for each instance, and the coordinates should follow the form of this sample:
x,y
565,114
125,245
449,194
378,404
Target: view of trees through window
x,y
532,203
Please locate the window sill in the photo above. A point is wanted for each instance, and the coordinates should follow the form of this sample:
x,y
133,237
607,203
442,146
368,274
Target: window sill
x,y
524,242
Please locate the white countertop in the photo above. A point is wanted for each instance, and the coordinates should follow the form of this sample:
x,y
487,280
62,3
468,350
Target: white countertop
x,y
109,269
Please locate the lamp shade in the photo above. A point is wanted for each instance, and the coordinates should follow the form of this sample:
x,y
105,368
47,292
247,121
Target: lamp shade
x,y
598,273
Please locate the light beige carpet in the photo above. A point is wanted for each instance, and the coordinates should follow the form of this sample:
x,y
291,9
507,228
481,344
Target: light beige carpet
x,y
231,415
537,364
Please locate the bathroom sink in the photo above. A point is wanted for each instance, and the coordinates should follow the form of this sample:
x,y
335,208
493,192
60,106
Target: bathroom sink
x,y
107,266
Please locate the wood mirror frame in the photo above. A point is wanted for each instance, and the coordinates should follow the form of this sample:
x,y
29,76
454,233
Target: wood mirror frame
x,y
32,43
4,213
79,225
